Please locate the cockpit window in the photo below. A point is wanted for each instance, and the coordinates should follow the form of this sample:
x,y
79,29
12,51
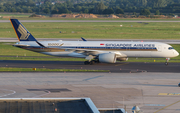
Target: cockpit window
x,y
170,48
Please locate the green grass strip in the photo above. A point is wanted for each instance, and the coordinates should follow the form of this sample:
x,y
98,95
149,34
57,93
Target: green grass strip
x,y
7,69
97,30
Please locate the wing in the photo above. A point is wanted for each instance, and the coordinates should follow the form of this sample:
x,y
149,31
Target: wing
x,y
88,52
85,51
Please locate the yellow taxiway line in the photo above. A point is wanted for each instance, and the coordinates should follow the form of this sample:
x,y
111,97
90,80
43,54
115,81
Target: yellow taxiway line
x,y
167,106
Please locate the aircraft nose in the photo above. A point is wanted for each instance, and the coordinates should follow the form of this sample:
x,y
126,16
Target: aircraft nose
x,y
176,53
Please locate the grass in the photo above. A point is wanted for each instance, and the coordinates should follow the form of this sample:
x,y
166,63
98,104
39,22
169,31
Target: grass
x,y
4,69
8,52
100,30
131,19
175,60
15,15
41,59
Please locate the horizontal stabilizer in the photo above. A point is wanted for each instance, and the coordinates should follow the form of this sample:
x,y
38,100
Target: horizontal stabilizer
x,y
40,44
83,39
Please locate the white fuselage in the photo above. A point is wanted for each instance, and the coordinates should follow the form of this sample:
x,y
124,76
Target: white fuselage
x,y
121,48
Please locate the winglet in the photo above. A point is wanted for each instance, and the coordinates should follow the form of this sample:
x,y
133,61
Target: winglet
x,y
83,39
22,33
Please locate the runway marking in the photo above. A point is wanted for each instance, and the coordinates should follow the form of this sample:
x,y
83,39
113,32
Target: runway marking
x,y
154,105
9,93
92,78
51,90
42,94
162,93
121,64
167,106
169,94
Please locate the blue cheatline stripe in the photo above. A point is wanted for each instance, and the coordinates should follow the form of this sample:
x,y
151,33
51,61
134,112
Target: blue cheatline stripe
x,y
111,48
81,47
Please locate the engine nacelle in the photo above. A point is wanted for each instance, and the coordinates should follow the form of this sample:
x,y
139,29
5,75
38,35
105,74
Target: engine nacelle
x,y
107,58
122,59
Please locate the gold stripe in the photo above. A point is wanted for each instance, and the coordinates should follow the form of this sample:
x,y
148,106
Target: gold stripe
x,y
45,50
14,29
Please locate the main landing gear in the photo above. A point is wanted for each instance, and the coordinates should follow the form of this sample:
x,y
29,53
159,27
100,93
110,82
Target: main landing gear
x,y
167,59
91,62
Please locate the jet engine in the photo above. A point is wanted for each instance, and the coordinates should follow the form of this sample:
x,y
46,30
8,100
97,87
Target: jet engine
x,y
107,58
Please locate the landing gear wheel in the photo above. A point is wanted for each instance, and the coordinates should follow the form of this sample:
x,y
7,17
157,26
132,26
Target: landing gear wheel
x,y
167,59
92,62
166,63
86,62
97,61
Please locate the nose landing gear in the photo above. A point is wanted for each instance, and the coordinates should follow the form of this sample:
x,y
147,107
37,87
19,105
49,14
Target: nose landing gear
x,y
167,59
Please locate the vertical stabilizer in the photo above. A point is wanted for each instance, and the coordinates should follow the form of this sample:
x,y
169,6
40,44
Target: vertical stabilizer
x,y
22,33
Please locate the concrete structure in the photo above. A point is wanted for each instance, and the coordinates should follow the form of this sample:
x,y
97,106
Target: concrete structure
x,y
51,105
47,105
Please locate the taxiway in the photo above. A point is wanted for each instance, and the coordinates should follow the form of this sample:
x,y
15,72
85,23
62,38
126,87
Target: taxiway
x,y
120,67
152,92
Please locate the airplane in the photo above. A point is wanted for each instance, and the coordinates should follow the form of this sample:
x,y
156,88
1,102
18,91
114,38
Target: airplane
x,y
93,51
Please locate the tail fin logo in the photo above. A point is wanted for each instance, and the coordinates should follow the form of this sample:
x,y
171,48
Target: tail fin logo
x,y
23,32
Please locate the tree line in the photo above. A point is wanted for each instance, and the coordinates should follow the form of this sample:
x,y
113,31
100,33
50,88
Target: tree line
x,y
144,7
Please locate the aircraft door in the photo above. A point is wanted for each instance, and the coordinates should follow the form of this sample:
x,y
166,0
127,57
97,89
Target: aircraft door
x,y
79,46
159,48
